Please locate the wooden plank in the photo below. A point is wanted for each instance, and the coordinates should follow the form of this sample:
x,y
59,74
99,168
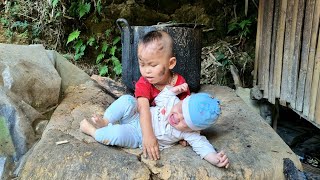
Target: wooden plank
x,y
305,53
267,45
258,42
273,49
315,82
298,18
260,71
287,52
279,49
314,35
316,118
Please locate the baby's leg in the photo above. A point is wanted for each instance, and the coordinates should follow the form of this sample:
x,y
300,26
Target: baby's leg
x,y
123,135
87,128
121,109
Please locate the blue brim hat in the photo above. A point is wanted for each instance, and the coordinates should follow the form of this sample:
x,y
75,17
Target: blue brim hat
x,y
200,110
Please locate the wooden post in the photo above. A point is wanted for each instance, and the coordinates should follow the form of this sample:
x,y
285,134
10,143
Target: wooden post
x,y
314,35
279,49
287,53
260,63
293,78
273,49
266,47
315,82
258,42
305,53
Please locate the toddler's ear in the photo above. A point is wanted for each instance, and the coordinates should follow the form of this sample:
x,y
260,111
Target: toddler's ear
x,y
172,62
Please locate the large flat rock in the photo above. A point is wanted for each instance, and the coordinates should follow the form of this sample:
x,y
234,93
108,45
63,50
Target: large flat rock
x,y
254,149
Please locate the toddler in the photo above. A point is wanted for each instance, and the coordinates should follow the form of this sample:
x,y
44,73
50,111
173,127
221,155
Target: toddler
x,y
156,61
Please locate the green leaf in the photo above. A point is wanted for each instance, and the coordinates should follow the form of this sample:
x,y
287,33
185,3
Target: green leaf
x,y
112,50
57,15
103,70
116,40
72,36
91,41
118,69
104,46
84,9
99,58
245,23
219,56
82,48
117,65
107,33
232,27
78,45
54,3
99,7
78,56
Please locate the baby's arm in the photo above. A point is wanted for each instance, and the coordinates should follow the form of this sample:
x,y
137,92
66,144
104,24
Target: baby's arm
x,y
204,148
218,159
180,88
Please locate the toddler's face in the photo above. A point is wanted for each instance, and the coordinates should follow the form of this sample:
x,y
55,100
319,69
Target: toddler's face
x,y
153,63
176,118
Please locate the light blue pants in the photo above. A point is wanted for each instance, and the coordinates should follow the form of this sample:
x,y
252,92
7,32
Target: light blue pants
x,y
127,133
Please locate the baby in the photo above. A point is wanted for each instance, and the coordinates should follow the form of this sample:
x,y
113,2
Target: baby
x,y
172,120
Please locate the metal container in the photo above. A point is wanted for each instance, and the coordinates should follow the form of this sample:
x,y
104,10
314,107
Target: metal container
x,y
187,49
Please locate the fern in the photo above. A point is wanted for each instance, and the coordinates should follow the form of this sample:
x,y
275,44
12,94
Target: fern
x,y
84,9
72,36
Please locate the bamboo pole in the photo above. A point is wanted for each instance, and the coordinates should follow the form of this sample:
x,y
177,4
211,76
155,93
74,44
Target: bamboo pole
x,y
314,35
305,53
273,49
293,75
315,82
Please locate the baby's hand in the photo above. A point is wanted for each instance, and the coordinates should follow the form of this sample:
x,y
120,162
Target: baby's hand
x,y
218,159
180,88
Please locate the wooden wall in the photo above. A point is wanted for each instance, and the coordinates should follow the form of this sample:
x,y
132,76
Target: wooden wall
x,y
287,64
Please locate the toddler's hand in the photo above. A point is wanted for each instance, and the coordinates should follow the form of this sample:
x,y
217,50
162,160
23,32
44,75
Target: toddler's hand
x,y
150,147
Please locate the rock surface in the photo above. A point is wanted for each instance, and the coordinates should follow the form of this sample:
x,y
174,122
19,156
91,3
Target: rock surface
x,y
254,149
29,88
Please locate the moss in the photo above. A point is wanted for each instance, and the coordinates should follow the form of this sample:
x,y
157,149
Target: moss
x,y
6,145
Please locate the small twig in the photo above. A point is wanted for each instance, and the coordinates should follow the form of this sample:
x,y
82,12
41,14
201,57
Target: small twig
x,y
27,16
255,4
62,142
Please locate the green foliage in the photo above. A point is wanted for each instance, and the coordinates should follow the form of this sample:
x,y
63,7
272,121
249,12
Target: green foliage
x,y
107,47
72,36
63,25
242,28
223,59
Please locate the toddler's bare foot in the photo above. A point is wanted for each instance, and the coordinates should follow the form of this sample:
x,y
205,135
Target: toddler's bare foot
x,y
98,121
87,128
